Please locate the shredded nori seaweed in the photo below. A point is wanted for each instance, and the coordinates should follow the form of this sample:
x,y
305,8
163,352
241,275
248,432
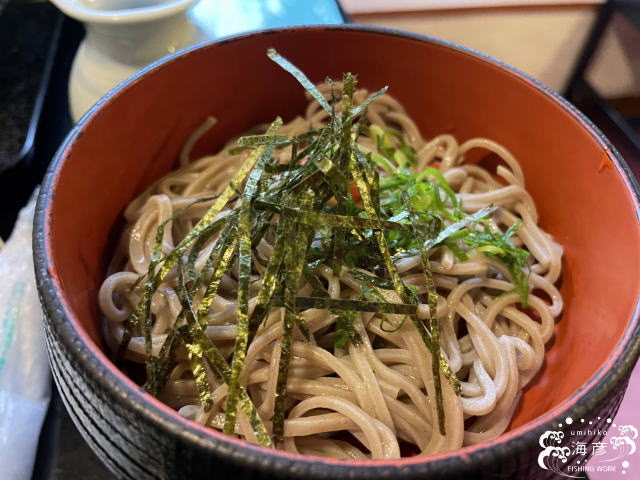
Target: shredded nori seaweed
x,y
327,205
242,311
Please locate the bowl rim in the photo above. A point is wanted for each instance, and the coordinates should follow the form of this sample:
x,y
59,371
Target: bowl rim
x,y
594,391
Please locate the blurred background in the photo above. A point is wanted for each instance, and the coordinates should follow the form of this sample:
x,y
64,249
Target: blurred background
x,y
542,38
588,51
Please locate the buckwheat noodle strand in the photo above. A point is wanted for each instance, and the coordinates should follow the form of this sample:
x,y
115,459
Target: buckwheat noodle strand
x,y
372,400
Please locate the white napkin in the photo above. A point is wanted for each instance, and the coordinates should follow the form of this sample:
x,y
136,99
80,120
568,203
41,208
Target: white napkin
x,y
25,379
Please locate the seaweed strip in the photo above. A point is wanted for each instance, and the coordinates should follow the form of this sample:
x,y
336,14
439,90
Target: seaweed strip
x,y
199,348
302,325
197,362
317,155
219,259
225,258
269,279
142,311
345,330
242,311
345,304
438,363
310,171
379,235
339,234
360,108
227,253
320,219
164,360
301,77
200,242
147,319
374,280
170,219
198,344
257,140
290,261
401,289
218,205
294,264
263,222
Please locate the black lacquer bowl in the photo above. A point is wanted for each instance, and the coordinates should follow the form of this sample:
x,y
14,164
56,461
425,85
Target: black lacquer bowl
x,y
583,190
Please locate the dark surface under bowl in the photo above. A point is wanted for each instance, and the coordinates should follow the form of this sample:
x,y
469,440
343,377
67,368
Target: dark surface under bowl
x,y
133,135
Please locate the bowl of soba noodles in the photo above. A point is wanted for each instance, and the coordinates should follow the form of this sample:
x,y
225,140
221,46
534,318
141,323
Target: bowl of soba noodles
x,y
338,252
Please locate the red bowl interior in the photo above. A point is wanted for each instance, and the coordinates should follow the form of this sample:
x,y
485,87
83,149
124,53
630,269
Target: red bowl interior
x,y
583,198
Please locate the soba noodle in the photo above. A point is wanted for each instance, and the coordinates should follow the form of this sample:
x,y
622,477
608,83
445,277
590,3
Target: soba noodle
x,y
374,399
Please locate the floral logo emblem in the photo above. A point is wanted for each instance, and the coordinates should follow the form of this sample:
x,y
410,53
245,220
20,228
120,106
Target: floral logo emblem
x,y
553,454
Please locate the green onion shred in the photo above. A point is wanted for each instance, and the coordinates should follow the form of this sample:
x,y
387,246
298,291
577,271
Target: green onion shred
x,y
327,206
